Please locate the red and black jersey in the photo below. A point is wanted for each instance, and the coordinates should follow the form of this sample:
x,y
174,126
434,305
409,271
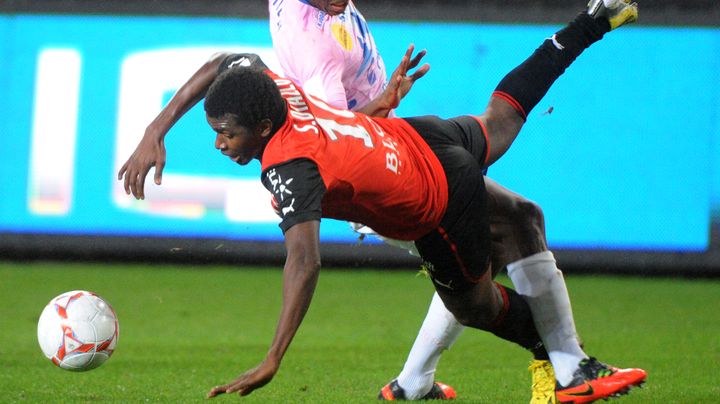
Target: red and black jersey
x,y
325,162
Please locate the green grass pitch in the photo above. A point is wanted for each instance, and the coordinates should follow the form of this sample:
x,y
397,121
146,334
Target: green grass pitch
x,y
185,329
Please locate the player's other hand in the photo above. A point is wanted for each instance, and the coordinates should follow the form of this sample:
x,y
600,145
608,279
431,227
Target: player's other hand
x,y
400,82
248,381
149,153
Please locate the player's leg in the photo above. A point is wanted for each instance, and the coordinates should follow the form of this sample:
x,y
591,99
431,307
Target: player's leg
x,y
458,254
518,229
537,275
438,332
440,329
517,226
521,89
458,257
460,273
471,295
416,381
518,236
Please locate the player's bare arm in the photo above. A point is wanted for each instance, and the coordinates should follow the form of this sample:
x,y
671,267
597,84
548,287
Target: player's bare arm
x,y
398,85
150,152
300,276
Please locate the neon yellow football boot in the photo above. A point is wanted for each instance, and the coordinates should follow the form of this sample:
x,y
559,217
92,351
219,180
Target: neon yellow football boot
x,y
543,382
618,12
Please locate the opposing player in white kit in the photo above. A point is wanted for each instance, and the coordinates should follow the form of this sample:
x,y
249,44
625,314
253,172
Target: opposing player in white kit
x,y
326,46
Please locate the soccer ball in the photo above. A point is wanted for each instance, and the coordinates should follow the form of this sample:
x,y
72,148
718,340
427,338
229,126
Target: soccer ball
x,y
78,330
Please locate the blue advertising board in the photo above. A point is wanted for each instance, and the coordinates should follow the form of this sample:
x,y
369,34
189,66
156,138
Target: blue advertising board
x,y
622,153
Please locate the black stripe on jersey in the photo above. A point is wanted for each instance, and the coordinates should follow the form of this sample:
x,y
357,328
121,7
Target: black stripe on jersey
x,y
297,190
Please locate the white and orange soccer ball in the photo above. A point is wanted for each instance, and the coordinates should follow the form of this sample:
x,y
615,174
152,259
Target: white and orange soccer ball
x,y
78,330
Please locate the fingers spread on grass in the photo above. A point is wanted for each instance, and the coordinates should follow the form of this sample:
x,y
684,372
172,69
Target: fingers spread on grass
x,y
216,391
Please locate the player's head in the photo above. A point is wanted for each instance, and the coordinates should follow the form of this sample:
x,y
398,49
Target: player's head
x,y
244,107
332,7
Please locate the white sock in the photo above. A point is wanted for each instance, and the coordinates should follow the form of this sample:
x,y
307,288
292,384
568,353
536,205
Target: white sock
x,y
438,332
541,283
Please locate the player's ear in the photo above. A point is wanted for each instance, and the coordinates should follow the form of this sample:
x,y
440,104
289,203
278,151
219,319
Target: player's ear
x,y
264,128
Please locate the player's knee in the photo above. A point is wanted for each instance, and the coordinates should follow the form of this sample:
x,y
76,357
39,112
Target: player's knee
x,y
465,320
529,216
481,319
477,311
533,213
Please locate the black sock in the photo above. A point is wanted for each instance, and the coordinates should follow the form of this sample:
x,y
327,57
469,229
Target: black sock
x,y
525,85
515,323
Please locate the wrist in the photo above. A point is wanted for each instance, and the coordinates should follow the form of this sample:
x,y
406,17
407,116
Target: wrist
x,y
155,132
272,361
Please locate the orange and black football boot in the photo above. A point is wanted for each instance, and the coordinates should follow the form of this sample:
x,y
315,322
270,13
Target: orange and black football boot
x,y
595,380
439,391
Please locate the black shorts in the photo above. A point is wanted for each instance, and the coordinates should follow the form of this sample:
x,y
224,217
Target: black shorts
x,y
457,253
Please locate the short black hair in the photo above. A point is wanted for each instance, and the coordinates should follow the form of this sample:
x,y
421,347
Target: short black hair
x,y
248,94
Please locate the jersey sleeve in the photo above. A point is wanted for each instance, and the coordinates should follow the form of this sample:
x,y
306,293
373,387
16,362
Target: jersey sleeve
x,y
297,190
245,60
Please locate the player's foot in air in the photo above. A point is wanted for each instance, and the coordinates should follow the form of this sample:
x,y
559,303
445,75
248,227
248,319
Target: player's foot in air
x,y
543,382
439,391
594,380
618,12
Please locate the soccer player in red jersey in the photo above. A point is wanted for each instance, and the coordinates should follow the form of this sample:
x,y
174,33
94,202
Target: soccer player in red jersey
x,y
500,122
312,176
341,65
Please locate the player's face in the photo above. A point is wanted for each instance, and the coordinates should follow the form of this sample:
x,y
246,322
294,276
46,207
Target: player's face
x,y
240,143
332,7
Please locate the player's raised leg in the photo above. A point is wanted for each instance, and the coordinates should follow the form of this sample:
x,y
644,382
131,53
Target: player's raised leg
x,y
516,95
536,277
521,89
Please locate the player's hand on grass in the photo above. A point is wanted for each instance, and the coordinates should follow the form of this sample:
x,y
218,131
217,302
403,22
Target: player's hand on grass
x,y
248,381
149,153
400,82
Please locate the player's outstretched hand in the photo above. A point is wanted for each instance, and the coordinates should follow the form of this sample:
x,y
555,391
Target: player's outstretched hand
x,y
149,153
248,381
398,86
400,82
